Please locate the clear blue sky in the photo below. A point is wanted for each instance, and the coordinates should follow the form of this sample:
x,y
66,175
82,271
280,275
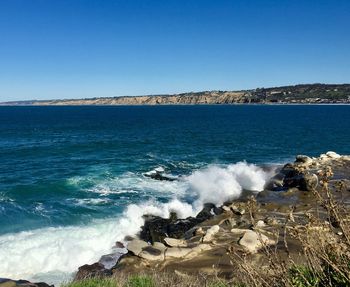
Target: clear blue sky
x,y
83,48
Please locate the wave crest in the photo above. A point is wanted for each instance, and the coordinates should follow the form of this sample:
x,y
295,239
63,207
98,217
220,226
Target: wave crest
x,y
217,184
48,250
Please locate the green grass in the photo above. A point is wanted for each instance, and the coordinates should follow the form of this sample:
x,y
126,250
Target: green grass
x,y
132,281
301,276
93,282
141,281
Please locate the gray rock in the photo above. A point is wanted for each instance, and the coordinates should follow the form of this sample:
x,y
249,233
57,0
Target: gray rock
x,y
199,231
110,260
260,224
177,252
195,251
308,182
296,176
237,210
239,231
135,246
96,270
229,222
333,155
226,208
173,242
303,159
152,253
159,245
253,241
209,235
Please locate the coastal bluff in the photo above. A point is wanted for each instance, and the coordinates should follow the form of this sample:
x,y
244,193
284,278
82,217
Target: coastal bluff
x,y
298,94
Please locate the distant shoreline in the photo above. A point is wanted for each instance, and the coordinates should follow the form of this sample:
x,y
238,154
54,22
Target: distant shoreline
x,y
286,95
184,105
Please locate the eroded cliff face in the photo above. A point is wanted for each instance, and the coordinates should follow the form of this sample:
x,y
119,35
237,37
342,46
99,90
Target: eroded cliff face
x,y
181,99
298,94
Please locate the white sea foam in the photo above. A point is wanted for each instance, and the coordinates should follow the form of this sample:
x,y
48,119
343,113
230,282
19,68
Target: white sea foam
x,y
51,251
54,249
63,250
128,182
217,184
91,201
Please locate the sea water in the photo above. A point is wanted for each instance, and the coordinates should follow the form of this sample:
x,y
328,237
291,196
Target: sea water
x,y
72,178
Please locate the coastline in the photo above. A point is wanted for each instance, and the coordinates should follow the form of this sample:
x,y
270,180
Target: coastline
x,y
245,226
206,242
297,94
172,105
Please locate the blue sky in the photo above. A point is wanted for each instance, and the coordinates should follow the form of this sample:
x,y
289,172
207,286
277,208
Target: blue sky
x,y
82,48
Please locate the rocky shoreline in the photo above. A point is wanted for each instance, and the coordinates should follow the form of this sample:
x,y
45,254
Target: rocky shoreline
x,y
196,244
244,227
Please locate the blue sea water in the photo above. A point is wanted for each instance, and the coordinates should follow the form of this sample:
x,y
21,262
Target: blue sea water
x,y
70,176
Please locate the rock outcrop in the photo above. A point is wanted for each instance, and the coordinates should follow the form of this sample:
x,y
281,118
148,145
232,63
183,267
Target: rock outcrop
x,y
243,227
305,172
92,271
253,241
156,228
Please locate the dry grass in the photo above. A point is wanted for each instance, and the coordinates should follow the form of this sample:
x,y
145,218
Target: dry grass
x,y
160,279
325,245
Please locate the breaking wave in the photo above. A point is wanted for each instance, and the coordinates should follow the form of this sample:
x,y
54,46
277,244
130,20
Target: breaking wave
x,y
217,184
64,249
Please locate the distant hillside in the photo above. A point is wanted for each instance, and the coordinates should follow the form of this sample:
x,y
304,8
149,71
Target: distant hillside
x,y
308,93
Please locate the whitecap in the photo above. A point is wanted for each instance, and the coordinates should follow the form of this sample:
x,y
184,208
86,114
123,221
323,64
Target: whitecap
x,y
217,184
56,250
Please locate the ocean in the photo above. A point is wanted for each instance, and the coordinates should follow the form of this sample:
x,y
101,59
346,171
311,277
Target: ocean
x,y
72,179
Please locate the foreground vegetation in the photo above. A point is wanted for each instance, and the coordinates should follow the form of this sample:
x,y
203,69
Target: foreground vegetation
x,y
154,280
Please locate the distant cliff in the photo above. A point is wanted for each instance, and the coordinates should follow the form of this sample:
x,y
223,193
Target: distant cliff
x,y
309,93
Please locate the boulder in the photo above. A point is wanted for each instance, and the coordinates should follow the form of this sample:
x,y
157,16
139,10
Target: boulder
x,y
173,242
195,251
228,222
253,241
226,208
298,177
199,231
152,253
156,229
237,210
208,211
303,159
92,271
135,246
308,182
159,245
239,231
333,155
209,235
177,252
260,224
159,174
276,182
119,244
110,260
